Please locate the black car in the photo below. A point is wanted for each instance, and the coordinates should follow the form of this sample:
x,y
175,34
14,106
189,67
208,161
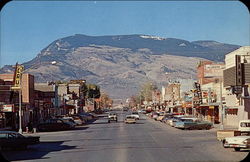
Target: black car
x,y
54,125
12,139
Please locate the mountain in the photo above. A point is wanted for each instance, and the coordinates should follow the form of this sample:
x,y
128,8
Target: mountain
x,y
120,64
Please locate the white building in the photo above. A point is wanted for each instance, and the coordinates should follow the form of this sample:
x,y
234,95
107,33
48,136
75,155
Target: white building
x,y
237,80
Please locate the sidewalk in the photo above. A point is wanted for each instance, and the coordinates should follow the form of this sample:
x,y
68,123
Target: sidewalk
x,y
226,127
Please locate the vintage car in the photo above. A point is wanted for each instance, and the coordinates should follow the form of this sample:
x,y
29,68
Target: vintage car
x,y
112,117
244,127
200,125
185,123
88,116
78,119
174,119
160,116
237,142
135,114
12,139
130,119
54,125
69,120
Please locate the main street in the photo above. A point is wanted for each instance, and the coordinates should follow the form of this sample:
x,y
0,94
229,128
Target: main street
x,y
146,141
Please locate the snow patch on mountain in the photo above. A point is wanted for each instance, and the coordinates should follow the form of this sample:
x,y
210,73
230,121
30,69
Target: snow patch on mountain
x,y
152,37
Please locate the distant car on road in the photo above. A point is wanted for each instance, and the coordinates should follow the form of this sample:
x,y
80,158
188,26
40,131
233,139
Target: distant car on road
x,y
12,139
135,114
54,125
112,117
130,119
237,142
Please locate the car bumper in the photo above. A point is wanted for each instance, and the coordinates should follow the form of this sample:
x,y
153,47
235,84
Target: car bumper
x,y
236,146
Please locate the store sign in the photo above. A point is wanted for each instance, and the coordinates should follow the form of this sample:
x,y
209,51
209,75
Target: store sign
x,y
211,107
7,108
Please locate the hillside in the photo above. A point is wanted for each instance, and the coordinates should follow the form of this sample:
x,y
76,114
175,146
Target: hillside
x,y
120,64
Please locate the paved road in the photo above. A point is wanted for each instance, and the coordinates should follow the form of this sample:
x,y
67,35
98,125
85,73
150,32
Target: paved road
x,y
146,141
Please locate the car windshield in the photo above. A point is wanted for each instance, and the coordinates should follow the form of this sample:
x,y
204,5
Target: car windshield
x,y
72,70
245,124
3,135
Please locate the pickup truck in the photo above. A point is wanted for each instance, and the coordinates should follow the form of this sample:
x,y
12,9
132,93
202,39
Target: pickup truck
x,y
244,129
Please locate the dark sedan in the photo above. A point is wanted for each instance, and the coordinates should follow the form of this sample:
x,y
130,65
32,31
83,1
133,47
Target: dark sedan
x,y
54,125
11,139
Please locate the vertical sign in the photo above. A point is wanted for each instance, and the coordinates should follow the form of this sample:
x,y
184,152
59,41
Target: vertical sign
x,y
17,76
238,70
238,87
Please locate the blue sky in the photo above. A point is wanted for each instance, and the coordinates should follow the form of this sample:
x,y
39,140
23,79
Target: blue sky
x,y
28,26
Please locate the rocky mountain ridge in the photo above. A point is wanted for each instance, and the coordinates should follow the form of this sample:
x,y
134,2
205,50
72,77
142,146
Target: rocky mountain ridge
x,y
120,64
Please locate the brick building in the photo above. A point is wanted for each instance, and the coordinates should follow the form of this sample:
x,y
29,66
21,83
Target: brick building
x,y
11,98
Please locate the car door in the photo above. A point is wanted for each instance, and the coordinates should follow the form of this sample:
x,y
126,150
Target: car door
x,y
13,140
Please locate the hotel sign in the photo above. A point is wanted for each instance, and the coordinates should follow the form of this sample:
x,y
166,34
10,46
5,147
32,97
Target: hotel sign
x,y
213,70
17,76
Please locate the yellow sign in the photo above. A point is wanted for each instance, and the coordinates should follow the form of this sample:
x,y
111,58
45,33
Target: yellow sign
x,y
211,107
17,76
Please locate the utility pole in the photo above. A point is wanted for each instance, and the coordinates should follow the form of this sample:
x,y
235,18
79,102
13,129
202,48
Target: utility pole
x,y
20,109
221,106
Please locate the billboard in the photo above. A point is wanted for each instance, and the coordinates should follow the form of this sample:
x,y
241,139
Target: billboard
x,y
213,70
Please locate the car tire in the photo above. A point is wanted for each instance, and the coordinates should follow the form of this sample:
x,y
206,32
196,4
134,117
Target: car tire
x,y
236,149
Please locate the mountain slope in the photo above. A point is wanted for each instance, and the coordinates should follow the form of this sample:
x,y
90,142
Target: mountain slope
x,y
120,64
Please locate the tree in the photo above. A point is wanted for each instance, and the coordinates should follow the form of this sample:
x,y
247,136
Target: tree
x,y
105,100
146,91
93,91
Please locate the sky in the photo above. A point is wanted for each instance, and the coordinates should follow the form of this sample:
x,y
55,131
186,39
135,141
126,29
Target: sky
x,y
29,26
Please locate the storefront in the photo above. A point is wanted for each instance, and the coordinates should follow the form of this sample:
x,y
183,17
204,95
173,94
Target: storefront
x,y
8,117
209,113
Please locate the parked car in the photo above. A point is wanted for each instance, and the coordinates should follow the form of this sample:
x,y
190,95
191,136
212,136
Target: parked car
x,y
155,115
12,139
112,117
125,109
78,119
87,116
160,116
174,119
201,125
136,115
54,125
130,119
69,120
244,127
185,123
237,142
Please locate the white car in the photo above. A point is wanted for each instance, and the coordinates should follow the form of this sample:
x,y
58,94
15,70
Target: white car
x,y
237,142
136,115
130,119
